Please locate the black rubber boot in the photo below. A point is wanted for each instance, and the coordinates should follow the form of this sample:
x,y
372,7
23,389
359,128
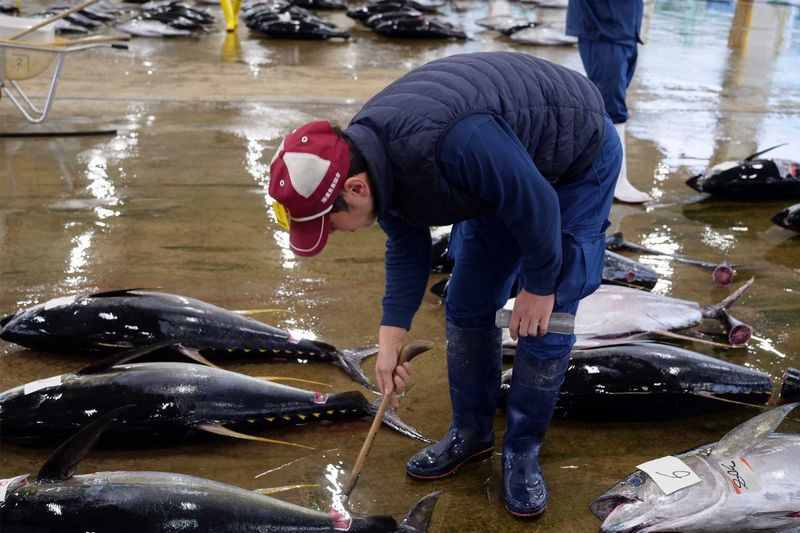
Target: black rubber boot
x,y
534,391
473,371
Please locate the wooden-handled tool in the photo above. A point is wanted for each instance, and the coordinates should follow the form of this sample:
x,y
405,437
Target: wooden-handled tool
x,y
409,351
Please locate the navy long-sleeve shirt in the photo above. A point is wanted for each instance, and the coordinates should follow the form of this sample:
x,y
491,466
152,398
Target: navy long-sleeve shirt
x,y
482,155
615,21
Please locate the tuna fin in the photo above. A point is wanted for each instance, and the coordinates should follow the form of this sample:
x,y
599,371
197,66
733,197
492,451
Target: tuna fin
x,y
673,335
248,312
350,361
300,380
274,490
225,432
711,396
194,355
118,292
712,310
122,357
751,157
748,434
62,463
393,421
418,518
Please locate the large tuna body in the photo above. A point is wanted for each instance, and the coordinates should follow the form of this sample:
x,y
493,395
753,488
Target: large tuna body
x,y
168,400
654,380
789,218
145,502
748,482
750,179
108,322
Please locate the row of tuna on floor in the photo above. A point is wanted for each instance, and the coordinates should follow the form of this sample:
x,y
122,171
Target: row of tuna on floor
x,y
292,19
171,401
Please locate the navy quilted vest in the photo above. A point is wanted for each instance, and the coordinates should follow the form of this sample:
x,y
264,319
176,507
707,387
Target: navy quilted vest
x,y
556,113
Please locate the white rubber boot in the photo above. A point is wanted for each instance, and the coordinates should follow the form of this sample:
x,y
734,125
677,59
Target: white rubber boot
x,y
624,191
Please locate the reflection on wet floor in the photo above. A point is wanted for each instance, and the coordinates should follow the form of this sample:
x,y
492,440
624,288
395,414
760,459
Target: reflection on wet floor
x,y
177,201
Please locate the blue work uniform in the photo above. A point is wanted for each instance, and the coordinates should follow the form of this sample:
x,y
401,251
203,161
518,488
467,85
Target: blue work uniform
x,y
608,32
514,150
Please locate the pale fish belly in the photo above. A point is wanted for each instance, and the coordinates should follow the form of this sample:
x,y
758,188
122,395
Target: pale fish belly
x,y
613,311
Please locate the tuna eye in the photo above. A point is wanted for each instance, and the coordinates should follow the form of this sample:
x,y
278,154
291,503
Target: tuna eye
x,y
636,479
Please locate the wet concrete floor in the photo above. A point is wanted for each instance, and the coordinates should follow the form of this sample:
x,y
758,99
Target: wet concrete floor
x,y
176,200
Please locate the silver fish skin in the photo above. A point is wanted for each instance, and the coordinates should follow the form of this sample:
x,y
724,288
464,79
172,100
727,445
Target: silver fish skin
x,y
748,482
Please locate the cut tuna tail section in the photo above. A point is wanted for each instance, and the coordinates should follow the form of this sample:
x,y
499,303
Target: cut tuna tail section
x,y
350,361
723,275
418,518
393,421
790,389
739,333
748,434
62,463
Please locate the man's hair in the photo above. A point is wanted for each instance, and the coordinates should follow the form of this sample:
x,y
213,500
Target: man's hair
x,y
357,165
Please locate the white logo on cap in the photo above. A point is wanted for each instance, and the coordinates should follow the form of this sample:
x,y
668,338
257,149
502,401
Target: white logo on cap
x,y
277,153
306,171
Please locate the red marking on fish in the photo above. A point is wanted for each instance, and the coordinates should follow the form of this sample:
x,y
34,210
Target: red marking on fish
x,y
320,398
738,491
341,520
745,462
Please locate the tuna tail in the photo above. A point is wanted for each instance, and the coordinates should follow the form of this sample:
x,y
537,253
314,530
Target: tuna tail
x,y
615,241
790,389
748,434
440,288
350,360
738,332
753,156
62,463
418,518
393,421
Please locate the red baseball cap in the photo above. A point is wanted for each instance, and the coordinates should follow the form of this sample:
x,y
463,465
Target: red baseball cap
x,y
306,175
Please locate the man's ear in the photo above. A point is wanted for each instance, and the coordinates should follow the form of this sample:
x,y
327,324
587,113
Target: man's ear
x,y
358,185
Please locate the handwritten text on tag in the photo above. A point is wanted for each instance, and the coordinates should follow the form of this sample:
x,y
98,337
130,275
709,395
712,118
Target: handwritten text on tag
x,y
670,473
740,473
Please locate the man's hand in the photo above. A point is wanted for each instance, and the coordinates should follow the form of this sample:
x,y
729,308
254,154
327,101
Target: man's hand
x,y
531,314
388,375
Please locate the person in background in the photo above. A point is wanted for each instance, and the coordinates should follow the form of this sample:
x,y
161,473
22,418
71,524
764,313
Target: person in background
x,y
520,155
608,36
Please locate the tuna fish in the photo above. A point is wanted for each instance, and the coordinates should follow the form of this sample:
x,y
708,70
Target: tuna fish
x,y
384,6
747,482
789,218
136,502
169,401
750,179
286,27
657,380
617,269
614,315
109,322
721,273
419,27
506,24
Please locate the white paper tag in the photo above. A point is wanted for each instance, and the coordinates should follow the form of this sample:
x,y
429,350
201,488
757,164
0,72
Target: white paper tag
x,y
670,473
740,473
33,386
6,483
58,302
